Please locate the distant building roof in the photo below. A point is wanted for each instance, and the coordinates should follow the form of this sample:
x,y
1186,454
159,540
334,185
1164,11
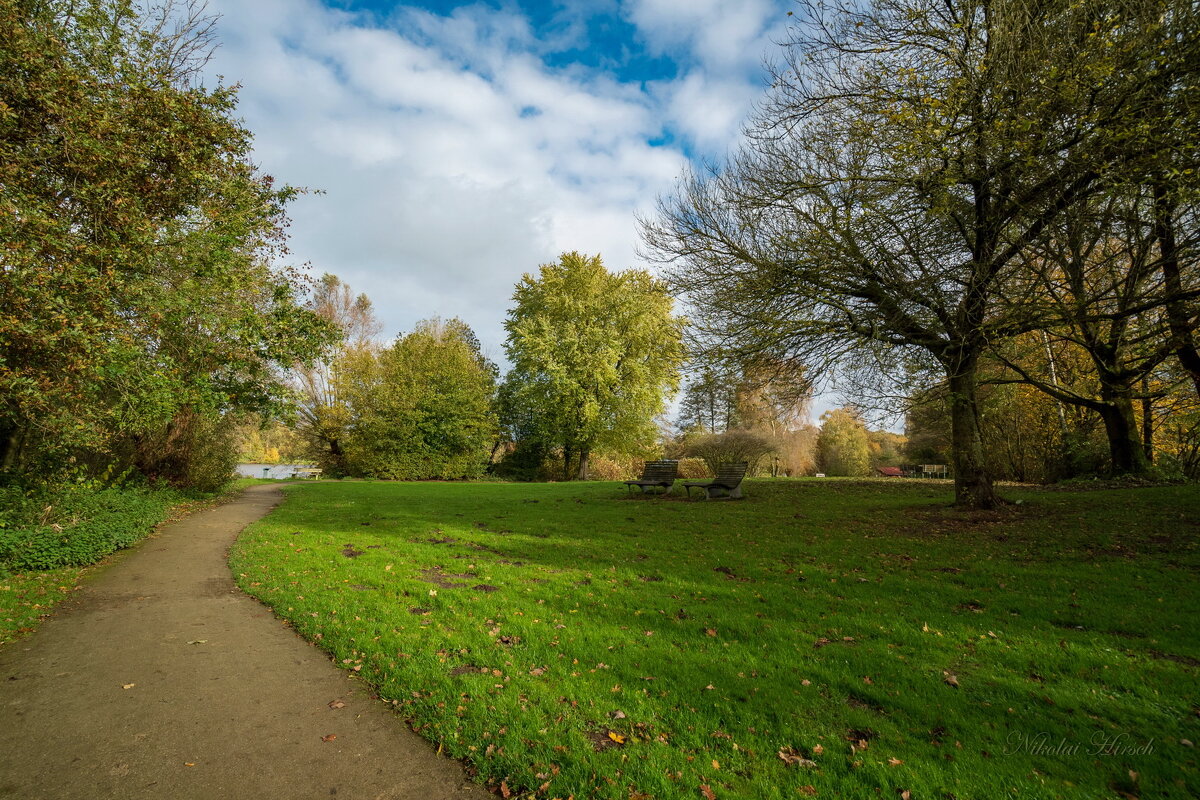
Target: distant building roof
x,y
890,472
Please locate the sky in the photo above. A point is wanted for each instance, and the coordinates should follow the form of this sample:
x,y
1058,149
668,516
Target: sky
x,y
458,146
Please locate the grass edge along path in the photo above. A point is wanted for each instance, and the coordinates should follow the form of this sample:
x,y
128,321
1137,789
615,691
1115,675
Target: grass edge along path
x,y
830,639
28,597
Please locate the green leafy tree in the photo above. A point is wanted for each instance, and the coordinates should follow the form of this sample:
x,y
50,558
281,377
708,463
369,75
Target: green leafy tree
x,y
596,353
843,446
136,276
421,408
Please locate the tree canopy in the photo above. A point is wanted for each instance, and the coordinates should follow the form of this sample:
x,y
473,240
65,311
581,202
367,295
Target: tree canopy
x,y
137,276
594,355
420,408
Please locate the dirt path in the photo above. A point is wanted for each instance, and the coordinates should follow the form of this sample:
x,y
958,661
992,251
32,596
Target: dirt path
x,y
223,700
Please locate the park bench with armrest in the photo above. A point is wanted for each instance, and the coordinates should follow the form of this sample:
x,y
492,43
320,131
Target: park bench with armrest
x,y
656,473
727,484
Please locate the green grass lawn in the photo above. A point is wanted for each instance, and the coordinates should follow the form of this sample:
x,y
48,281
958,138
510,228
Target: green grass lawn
x,y
821,638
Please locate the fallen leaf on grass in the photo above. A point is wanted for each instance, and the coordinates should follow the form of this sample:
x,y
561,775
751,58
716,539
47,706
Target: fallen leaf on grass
x,y
950,678
818,750
329,738
710,631
906,795
617,714
616,737
894,762
505,792
807,791
707,792
790,756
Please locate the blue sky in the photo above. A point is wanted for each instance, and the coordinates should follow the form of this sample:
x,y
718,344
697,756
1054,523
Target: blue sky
x,y
459,145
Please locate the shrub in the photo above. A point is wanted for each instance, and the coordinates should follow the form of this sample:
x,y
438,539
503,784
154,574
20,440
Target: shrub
x,y
693,469
731,446
613,468
64,526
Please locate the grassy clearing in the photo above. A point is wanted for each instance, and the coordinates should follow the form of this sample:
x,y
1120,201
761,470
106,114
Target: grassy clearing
x,y
821,638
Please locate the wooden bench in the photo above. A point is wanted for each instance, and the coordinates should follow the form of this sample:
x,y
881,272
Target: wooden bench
x,y
306,472
727,485
656,473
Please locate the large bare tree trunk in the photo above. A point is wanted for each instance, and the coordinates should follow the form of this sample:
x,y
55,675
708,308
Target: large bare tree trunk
x,y
1147,421
1120,424
972,481
1177,314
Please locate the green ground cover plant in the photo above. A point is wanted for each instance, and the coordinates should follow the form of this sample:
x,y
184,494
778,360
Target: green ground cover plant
x,y
821,638
50,533
75,525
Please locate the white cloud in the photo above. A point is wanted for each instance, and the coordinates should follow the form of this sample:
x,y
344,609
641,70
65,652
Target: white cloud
x,y
452,159
720,34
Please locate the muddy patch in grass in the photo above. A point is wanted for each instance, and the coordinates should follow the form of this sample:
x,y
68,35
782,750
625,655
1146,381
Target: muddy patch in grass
x,y
467,669
602,740
443,579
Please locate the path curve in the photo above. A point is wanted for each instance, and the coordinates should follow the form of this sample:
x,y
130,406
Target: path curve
x,y
225,702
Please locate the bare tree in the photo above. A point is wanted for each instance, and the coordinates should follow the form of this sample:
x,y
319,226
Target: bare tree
x,y
323,416
908,153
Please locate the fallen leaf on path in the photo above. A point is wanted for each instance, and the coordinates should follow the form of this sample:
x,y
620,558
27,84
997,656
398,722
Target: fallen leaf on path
x,y
128,685
337,704
198,641
189,763
329,738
